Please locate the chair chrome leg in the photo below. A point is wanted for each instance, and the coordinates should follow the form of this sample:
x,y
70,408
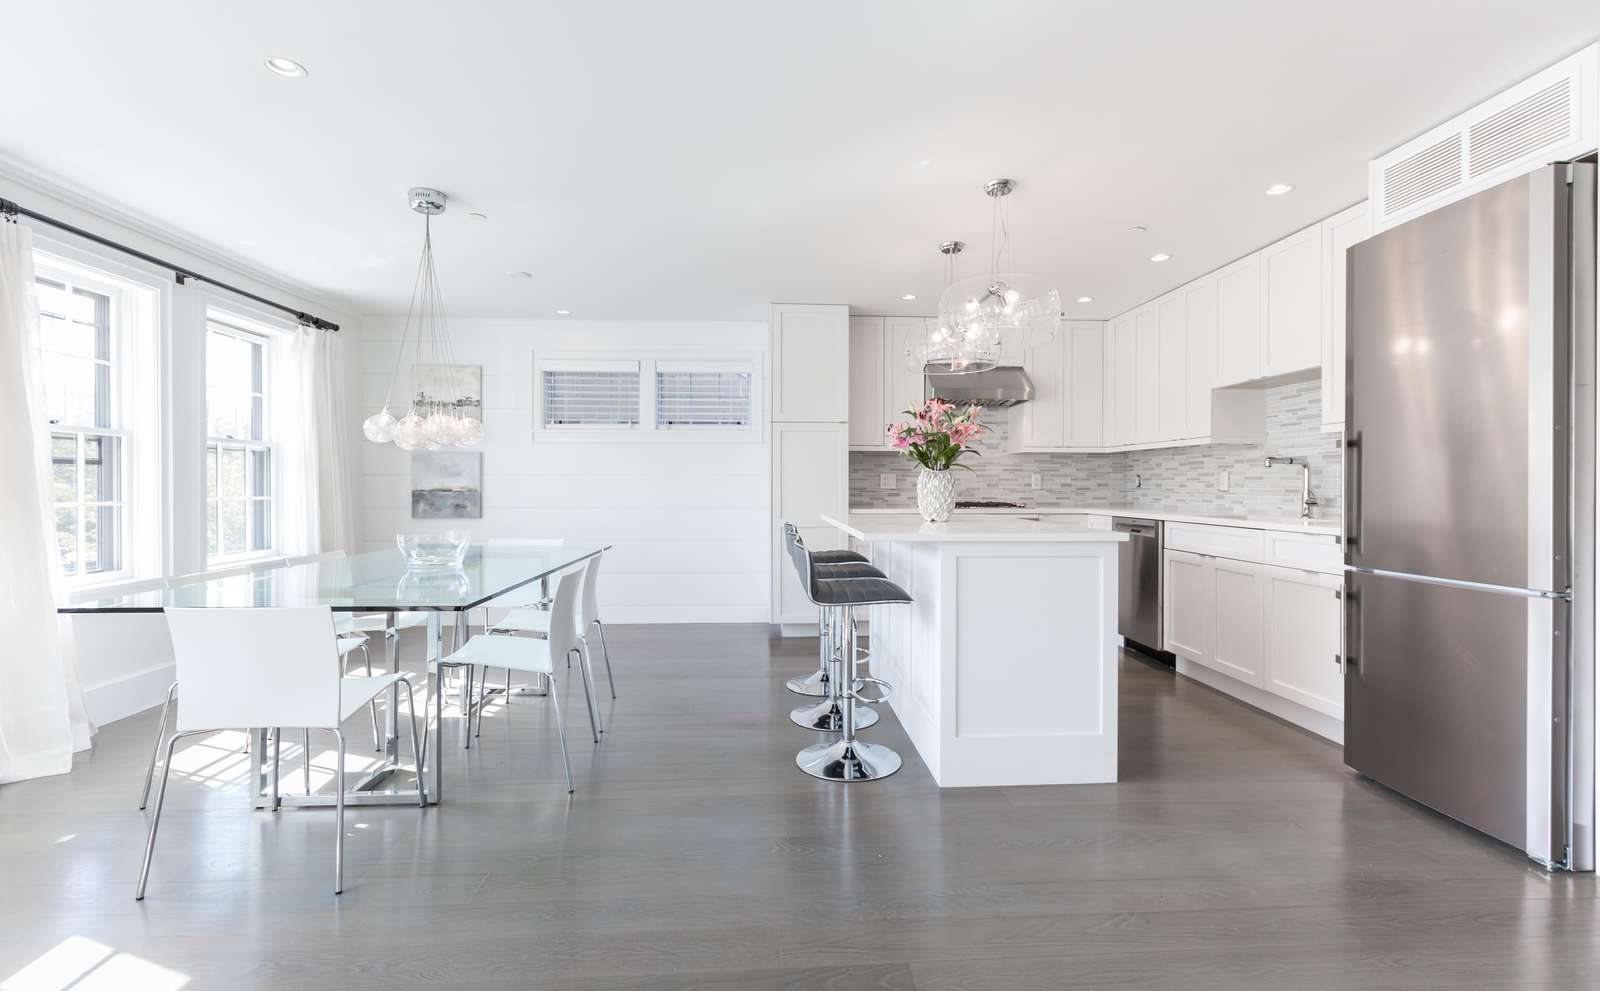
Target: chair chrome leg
x,y
606,655
338,816
155,753
416,751
466,706
277,752
561,731
591,685
372,707
305,759
155,820
594,725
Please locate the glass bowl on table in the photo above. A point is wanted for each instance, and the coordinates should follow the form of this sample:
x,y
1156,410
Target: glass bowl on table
x,y
442,549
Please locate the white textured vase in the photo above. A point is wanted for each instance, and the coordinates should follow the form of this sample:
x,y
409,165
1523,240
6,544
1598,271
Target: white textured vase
x,y
936,494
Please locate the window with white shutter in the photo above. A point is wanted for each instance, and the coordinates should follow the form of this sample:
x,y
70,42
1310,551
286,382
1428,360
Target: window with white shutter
x,y
703,395
589,394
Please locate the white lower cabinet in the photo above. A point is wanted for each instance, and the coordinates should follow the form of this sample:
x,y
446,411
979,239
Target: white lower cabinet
x,y
1188,589
1236,606
1274,629
1302,638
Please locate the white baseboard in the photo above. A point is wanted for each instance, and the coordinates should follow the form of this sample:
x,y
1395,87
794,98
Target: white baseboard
x,y
121,697
1290,712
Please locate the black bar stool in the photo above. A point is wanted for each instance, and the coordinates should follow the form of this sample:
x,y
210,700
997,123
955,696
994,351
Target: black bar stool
x,y
827,715
815,684
848,758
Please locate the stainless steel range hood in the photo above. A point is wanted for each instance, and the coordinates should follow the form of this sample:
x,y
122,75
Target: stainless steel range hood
x,y
1004,386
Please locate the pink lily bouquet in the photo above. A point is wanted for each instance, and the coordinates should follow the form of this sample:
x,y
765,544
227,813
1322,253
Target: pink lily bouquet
x,y
938,435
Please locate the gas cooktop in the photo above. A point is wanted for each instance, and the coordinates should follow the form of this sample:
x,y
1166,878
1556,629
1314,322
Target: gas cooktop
x,y
989,504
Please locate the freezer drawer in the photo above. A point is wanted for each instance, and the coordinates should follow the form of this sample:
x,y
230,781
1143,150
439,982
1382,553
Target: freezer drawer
x,y
1438,682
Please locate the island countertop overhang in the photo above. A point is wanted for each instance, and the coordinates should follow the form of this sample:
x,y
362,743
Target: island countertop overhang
x,y
912,528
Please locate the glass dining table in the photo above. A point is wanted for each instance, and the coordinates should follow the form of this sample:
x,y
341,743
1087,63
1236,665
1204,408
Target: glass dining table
x,y
371,583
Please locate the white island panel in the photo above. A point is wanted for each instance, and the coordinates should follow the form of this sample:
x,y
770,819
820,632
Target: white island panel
x,y
1004,665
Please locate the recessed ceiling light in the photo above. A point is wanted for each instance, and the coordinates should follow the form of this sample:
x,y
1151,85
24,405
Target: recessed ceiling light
x,y
477,216
522,275
1160,256
1086,299
1137,229
563,313
1278,189
908,296
286,67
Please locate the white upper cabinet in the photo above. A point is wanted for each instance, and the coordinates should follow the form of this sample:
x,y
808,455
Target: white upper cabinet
x,y
1108,384
1200,314
1085,340
1239,321
903,383
1043,419
1340,232
1172,397
866,383
810,362
1291,303
1147,368
1126,365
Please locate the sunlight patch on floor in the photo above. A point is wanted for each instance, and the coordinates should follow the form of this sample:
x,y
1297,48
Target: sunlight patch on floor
x,y
78,963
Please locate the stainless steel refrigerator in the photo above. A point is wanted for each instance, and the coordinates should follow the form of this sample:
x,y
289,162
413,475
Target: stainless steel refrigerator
x,y
1469,512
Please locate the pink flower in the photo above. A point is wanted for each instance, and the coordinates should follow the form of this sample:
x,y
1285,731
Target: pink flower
x,y
902,442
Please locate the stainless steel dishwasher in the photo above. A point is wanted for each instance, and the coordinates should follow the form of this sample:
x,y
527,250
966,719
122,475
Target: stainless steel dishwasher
x,y
1139,585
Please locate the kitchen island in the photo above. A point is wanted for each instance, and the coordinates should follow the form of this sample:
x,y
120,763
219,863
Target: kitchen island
x,y
1005,666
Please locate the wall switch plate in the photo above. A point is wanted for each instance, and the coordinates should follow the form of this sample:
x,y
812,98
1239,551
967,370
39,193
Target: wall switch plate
x,y
1036,480
887,480
1222,480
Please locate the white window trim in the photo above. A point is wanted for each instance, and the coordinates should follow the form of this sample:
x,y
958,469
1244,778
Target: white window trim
x,y
243,322
138,302
647,362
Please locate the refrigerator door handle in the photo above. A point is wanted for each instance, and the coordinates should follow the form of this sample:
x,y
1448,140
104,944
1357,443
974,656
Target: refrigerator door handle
x,y
1527,593
1352,515
1350,631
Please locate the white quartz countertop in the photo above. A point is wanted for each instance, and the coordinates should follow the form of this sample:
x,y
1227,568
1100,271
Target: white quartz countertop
x,y
1326,527
900,525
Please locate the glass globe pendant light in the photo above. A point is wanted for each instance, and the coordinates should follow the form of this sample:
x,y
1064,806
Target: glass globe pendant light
x,y
950,347
442,420
991,309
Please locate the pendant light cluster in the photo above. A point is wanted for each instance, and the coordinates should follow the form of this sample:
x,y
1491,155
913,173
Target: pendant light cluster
x,y
434,421
978,313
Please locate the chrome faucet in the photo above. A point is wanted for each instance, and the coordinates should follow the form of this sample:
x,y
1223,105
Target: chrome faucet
x,y
1307,500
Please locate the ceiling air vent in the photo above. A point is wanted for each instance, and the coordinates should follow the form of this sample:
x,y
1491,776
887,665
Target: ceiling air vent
x,y
1551,116
1427,173
1530,124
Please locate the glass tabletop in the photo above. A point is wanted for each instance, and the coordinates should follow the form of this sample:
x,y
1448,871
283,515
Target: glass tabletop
x,y
376,581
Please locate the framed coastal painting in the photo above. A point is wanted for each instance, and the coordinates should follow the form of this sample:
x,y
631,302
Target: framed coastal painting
x,y
446,387
446,485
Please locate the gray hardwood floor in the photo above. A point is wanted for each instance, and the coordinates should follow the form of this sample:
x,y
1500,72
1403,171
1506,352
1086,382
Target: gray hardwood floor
x,y
1235,853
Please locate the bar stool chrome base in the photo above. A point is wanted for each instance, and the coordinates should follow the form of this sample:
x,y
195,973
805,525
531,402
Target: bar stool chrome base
x,y
828,717
813,685
848,760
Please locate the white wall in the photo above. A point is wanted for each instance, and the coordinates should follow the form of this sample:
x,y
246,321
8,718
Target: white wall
x,y
688,517
125,663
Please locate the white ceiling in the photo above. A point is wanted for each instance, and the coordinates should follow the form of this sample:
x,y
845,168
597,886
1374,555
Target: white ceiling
x,y
697,159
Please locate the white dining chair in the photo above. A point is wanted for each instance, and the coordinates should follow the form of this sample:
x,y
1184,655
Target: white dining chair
x,y
531,655
347,644
536,620
529,596
244,668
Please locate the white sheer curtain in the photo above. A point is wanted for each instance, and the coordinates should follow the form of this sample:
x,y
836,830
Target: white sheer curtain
x,y
309,421
42,716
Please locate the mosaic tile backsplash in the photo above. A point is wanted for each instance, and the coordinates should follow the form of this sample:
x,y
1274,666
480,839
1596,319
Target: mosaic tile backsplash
x,y
1181,479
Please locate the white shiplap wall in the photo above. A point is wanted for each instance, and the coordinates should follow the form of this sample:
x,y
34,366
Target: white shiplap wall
x,y
688,517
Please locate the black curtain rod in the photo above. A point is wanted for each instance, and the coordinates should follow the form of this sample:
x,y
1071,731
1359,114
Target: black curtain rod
x,y
179,273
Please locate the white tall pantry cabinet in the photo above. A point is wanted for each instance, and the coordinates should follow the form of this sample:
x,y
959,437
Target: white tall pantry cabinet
x,y
811,405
